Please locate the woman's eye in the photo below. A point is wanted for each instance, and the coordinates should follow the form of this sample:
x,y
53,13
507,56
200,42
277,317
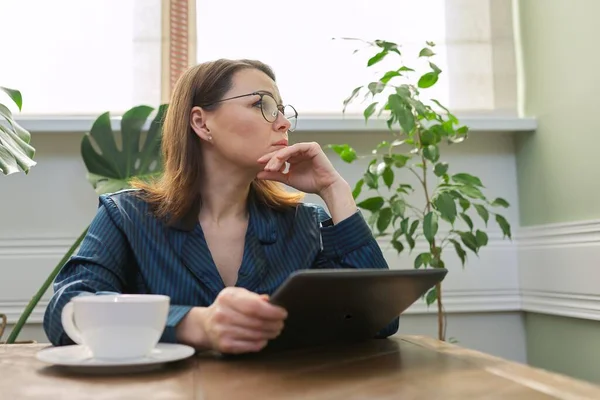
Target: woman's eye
x,y
257,104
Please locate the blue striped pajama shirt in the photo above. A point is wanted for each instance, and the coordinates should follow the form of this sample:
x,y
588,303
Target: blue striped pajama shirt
x,y
128,250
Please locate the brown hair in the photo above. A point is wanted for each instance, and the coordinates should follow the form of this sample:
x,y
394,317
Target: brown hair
x,y
176,191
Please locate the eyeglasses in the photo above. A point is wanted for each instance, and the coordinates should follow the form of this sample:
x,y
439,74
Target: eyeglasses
x,y
269,108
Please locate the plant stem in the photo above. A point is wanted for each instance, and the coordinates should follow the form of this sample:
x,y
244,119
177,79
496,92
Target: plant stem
x,y
441,335
42,290
438,286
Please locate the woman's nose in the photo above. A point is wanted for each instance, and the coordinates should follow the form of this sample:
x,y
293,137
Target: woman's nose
x,y
281,123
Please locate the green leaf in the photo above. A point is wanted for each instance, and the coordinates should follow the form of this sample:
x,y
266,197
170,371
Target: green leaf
x,y
431,153
373,218
404,92
440,105
375,87
430,226
352,96
462,254
440,168
469,240
398,207
411,242
388,177
431,296
468,220
437,262
372,203
397,233
346,153
422,259
500,202
111,169
471,191
483,213
404,226
428,80
402,113
385,217
358,188
389,76
387,46
369,110
398,246
14,95
371,180
464,203
16,153
426,52
377,57
504,225
482,238
428,137
378,169
400,160
435,68
467,179
445,204
413,227
8,164
419,107
404,188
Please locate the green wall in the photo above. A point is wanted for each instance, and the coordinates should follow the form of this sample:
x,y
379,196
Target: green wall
x,y
569,346
559,165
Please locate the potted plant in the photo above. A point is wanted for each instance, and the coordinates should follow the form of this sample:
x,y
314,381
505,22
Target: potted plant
x,y
404,212
16,154
111,170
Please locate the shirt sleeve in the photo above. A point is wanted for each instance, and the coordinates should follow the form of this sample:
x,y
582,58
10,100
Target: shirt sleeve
x,y
101,266
351,244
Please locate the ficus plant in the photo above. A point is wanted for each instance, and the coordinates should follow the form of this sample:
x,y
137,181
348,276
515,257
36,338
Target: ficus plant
x,y
407,187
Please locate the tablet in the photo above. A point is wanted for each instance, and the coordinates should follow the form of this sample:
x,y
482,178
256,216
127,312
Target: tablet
x,y
341,305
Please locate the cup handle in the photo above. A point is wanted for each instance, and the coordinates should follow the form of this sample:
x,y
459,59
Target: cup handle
x,y
69,324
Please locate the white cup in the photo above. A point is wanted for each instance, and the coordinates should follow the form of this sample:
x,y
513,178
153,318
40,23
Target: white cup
x,y
116,326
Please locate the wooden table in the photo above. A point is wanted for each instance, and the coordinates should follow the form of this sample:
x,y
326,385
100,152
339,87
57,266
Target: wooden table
x,y
400,368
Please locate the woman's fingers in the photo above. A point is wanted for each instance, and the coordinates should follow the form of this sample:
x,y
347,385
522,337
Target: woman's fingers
x,y
234,346
275,161
234,318
273,176
252,305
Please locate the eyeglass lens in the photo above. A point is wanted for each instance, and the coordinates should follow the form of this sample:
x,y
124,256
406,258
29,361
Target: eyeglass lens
x,y
271,110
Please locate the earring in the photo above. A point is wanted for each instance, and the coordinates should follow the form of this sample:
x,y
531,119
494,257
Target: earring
x,y
209,138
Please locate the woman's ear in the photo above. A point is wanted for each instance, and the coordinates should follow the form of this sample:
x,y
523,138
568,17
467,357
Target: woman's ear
x,y
198,120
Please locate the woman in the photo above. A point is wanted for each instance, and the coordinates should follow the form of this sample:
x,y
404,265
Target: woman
x,y
218,233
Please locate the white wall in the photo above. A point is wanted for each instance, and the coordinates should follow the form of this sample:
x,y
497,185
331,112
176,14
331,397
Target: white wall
x,y
43,213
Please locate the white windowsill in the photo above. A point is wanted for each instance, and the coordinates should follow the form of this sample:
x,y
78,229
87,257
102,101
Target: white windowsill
x,y
314,123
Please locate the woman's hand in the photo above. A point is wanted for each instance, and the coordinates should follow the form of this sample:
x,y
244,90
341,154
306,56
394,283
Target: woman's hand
x,y
310,170
238,321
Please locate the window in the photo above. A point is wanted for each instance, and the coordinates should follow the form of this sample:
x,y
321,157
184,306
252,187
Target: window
x,y
81,57
315,73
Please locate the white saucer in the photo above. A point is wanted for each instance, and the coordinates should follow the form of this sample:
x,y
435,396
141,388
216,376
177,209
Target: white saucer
x,y
80,356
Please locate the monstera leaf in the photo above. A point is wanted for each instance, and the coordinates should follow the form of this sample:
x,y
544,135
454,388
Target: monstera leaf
x,y
15,151
114,158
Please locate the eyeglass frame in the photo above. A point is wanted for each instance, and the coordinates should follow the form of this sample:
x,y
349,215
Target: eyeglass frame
x,y
280,107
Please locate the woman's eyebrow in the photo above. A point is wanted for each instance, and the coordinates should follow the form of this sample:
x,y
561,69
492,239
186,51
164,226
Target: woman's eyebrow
x,y
279,100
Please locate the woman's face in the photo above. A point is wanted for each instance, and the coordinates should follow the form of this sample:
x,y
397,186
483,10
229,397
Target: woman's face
x,y
237,129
